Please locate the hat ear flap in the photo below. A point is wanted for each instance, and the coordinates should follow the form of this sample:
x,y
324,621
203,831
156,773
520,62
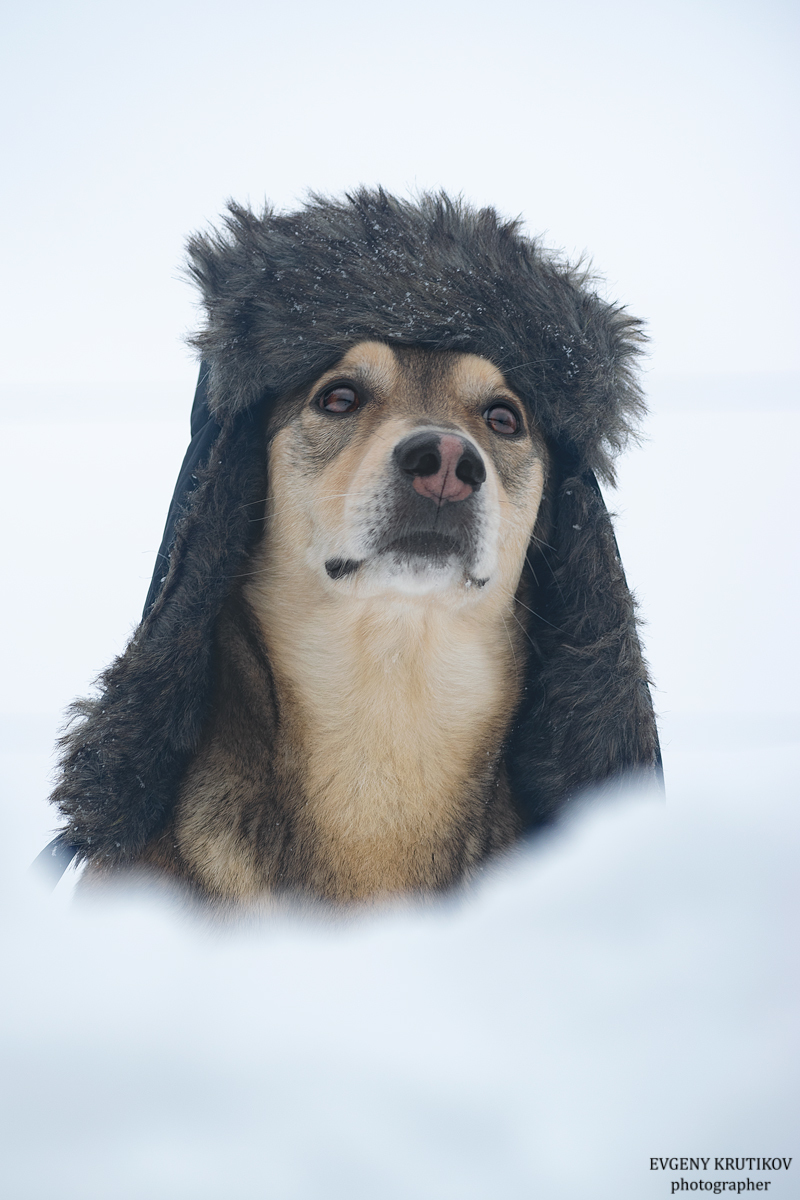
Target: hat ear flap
x,y
586,715
125,753
205,430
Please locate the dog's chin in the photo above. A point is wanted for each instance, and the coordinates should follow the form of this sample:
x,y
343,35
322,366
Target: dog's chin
x,y
416,575
405,570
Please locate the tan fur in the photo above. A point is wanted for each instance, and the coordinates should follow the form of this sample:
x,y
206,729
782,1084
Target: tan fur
x,y
354,747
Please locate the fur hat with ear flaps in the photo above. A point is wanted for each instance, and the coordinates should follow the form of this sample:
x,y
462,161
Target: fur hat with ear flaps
x,y
285,297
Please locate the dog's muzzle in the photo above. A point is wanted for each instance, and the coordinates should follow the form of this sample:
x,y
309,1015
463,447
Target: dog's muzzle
x,y
428,512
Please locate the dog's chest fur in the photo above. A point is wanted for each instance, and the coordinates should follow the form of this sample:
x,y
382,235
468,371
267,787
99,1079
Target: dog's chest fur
x,y
374,767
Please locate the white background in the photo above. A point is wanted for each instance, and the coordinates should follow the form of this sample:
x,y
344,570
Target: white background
x,y
661,140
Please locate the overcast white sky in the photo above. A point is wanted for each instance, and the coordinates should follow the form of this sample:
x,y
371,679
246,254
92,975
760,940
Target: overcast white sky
x,y
659,137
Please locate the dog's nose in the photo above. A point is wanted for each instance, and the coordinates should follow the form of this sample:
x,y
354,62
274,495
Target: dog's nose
x,y
443,467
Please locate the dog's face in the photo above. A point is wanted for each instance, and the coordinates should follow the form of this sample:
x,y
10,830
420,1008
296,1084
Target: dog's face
x,y
406,471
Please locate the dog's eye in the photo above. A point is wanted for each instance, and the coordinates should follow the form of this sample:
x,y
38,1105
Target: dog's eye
x,y
502,419
339,399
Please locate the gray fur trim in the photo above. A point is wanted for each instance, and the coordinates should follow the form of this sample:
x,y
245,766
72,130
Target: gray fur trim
x,y
287,294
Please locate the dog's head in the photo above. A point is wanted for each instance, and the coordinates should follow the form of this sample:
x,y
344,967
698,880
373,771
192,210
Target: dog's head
x,y
404,470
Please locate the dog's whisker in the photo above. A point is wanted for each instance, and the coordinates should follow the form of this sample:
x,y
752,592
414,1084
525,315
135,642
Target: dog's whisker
x,y
550,569
249,574
530,568
539,616
511,644
342,495
525,632
515,599
532,571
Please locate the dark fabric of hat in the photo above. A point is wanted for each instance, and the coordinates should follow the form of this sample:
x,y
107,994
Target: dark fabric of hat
x,y
286,295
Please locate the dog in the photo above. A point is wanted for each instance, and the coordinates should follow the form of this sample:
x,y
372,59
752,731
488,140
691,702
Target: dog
x,y
370,661
389,631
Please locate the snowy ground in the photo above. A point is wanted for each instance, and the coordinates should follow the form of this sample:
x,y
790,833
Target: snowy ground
x,y
627,989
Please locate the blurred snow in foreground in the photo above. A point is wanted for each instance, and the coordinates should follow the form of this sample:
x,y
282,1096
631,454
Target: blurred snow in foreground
x,y
620,990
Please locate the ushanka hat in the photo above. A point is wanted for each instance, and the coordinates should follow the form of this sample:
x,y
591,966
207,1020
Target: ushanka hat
x,y
285,296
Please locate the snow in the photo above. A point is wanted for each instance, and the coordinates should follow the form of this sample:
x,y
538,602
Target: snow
x,y
623,990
